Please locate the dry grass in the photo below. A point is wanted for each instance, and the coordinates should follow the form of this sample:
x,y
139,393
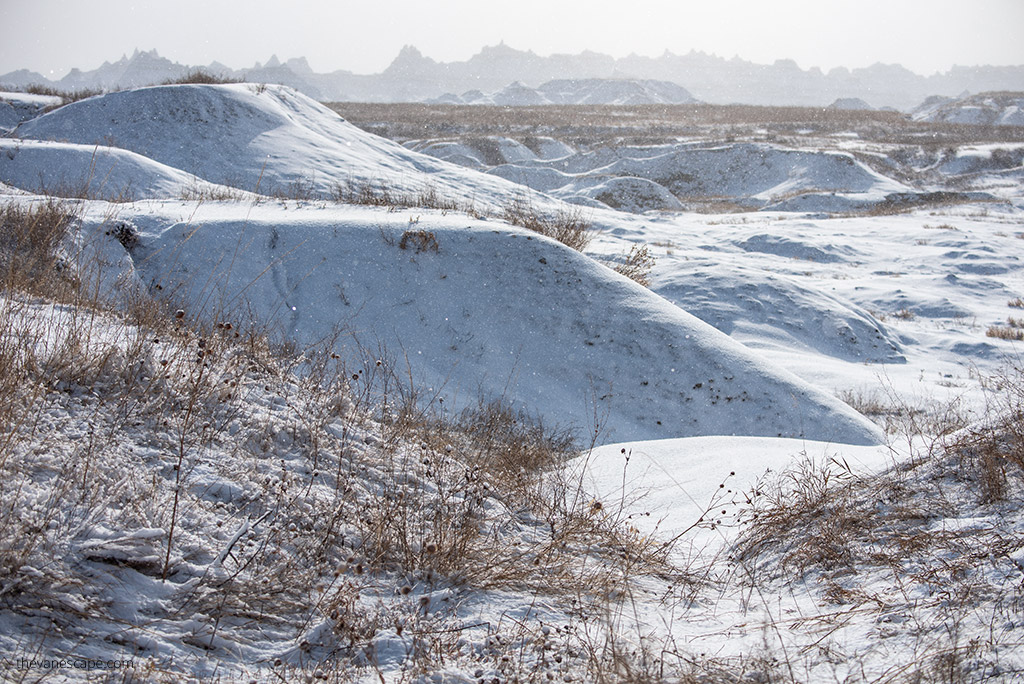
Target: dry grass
x,y
637,264
200,76
895,542
566,225
905,314
901,418
380,194
1016,303
31,256
994,450
1005,332
419,240
66,96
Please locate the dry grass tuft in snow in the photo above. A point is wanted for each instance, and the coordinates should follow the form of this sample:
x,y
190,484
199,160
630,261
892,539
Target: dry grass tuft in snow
x,y
30,242
935,542
200,76
1006,332
379,194
567,226
637,264
66,96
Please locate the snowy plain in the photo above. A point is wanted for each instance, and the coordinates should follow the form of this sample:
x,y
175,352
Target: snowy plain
x,y
728,368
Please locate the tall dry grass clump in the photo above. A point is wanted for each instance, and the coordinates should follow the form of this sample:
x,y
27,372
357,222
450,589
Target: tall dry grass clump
x,y
66,96
202,77
637,264
567,226
31,237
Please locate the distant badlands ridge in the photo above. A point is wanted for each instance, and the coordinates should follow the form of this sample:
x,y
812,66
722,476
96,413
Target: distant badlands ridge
x,y
502,71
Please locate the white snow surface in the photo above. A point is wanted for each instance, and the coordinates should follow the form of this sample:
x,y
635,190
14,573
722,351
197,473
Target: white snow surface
x,y
673,486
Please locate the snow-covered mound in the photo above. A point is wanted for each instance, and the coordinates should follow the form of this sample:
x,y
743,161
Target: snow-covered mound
x,y
516,95
477,307
69,169
850,104
481,152
753,174
18,107
255,137
989,109
550,148
969,160
760,307
632,194
581,91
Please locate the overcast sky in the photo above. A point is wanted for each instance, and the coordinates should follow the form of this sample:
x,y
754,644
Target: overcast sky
x,y
51,36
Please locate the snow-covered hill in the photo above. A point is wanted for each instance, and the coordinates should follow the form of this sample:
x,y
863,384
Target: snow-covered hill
x,y
480,308
989,109
97,171
269,139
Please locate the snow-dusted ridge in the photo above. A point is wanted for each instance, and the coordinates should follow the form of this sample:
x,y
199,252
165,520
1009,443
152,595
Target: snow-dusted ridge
x,y
268,139
989,109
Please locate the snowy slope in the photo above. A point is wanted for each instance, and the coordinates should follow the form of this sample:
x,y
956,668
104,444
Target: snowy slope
x,y
595,343
893,308
897,305
96,171
494,310
254,137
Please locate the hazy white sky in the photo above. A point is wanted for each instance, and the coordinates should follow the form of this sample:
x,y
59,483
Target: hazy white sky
x,y
51,36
